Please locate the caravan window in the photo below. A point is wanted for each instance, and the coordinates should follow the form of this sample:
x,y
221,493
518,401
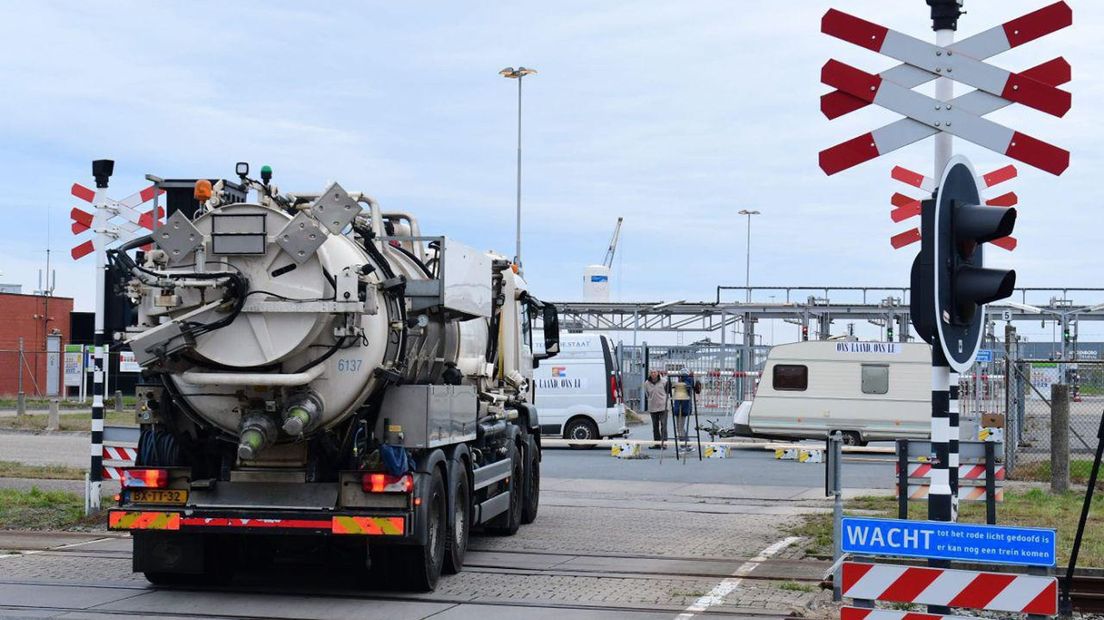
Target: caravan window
x,y
791,377
875,378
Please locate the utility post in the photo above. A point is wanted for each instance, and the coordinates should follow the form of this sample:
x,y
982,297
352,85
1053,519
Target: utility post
x,y
1059,437
21,397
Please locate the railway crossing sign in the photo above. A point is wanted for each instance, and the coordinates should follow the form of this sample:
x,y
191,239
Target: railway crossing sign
x,y
100,222
963,62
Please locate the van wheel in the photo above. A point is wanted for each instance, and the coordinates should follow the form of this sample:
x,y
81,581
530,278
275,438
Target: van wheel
x,y
581,429
853,438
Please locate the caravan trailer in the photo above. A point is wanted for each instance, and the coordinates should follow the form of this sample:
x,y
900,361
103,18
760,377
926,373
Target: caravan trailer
x,y
869,391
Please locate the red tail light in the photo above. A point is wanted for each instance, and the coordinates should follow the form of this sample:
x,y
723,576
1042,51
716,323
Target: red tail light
x,y
145,478
386,483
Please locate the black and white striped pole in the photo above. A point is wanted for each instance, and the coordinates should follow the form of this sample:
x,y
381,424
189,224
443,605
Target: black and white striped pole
x,y
101,171
953,458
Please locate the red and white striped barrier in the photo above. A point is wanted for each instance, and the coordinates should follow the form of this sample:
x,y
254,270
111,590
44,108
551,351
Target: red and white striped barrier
x,y
116,459
856,613
1029,594
965,472
965,494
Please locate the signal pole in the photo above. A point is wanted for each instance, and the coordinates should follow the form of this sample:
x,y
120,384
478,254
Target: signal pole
x,y
102,170
942,498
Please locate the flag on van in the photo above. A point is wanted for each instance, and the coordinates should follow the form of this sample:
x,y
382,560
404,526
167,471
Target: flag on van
x,y
559,371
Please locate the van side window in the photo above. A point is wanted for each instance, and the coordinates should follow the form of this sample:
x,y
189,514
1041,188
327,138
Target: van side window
x,y
791,377
875,378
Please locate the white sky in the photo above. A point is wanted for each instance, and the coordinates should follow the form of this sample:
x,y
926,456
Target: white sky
x,y
674,115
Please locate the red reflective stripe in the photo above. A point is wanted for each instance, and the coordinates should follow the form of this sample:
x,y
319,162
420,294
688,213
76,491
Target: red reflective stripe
x,y
146,219
853,29
1046,603
1038,23
82,250
1043,156
81,217
1036,94
908,237
1054,72
909,585
854,613
83,192
905,212
984,588
149,192
1004,200
847,154
847,78
838,103
1000,175
852,573
907,176
255,523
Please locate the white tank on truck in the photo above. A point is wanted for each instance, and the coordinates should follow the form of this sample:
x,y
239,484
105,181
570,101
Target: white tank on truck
x,y
314,365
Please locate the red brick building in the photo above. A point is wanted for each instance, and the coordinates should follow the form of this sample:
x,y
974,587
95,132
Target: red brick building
x,y
31,317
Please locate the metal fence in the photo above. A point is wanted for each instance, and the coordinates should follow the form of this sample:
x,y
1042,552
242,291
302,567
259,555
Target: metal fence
x,y
40,373
1028,407
720,369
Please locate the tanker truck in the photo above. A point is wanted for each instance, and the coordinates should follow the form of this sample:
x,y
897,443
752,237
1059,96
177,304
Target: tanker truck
x,y
318,375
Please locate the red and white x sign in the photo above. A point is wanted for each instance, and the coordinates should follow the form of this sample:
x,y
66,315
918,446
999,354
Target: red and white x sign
x,y
100,220
962,62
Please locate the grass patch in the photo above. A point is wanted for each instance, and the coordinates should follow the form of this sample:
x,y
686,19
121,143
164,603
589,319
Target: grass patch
x,y
12,469
1040,472
36,509
1032,508
793,586
67,422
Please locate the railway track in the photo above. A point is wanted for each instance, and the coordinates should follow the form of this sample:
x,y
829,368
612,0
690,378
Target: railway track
x,y
97,567
1087,593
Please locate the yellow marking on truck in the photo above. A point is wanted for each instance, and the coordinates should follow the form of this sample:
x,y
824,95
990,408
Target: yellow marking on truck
x,y
120,520
370,526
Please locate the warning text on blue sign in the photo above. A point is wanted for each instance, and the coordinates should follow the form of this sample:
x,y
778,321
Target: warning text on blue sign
x,y
949,541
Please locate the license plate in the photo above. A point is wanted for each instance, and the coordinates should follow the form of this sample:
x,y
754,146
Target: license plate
x,y
159,496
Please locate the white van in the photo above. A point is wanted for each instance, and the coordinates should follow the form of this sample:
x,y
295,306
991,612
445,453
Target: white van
x,y
868,390
578,392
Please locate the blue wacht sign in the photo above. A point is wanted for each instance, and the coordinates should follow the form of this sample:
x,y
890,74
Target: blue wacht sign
x,y
996,544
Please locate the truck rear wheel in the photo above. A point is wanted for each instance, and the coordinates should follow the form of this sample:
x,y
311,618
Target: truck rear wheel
x,y
507,523
417,568
532,482
460,526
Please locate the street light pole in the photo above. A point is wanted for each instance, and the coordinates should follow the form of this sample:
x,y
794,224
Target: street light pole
x,y
518,74
747,261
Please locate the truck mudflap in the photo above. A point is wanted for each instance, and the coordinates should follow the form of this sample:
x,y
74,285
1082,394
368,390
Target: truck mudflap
x,y
345,525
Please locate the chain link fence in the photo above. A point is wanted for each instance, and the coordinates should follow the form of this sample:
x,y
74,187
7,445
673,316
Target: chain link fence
x,y
1028,407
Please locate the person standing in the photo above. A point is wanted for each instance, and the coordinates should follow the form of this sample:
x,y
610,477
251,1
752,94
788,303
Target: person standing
x,y
679,387
655,398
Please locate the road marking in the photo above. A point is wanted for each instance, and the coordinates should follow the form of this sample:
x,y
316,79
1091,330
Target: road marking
x,y
724,588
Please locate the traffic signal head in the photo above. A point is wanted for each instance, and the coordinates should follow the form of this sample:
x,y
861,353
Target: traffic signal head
x,y
959,226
